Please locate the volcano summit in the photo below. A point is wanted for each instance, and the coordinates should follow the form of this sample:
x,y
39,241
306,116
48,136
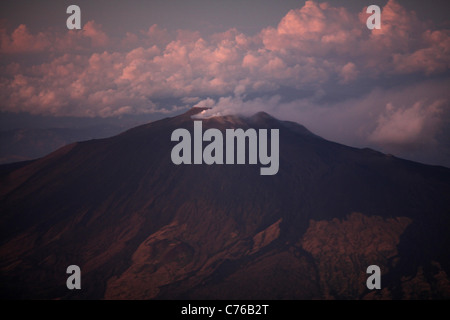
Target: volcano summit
x,y
141,227
213,153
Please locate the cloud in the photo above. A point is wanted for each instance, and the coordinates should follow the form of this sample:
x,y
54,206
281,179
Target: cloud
x,y
432,59
95,33
316,27
348,73
410,125
311,49
190,100
153,36
21,40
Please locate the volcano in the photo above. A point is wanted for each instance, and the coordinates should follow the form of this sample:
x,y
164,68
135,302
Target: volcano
x,y
141,227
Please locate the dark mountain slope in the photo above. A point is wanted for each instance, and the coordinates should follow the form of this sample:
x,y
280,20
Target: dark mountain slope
x,y
141,227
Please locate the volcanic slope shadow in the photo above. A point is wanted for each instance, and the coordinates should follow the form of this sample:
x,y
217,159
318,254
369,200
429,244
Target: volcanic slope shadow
x,y
141,227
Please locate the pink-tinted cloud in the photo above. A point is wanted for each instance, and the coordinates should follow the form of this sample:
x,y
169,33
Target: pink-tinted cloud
x,y
312,48
431,59
95,33
348,73
409,125
21,40
312,28
153,36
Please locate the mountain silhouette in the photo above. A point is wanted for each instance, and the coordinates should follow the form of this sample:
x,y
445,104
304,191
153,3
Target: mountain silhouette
x,y
141,227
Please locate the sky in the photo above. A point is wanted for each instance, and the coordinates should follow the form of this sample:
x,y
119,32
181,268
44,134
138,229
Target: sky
x,y
313,62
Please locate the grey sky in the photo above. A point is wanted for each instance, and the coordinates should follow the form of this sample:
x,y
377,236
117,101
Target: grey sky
x,y
119,16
